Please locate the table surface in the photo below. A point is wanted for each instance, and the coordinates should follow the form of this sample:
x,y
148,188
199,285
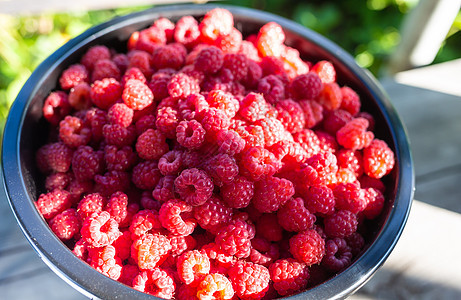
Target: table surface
x,y
424,264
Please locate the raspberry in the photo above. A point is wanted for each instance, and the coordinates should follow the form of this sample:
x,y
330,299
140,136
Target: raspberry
x,y
263,252
141,60
268,227
56,107
112,181
289,152
170,163
212,214
215,286
105,92
148,202
237,64
336,119
155,282
144,123
378,159
133,73
271,193
121,61
214,120
337,255
146,175
58,157
289,276
351,100
123,245
216,22
248,49
308,141
180,244
308,247
66,224
137,94
194,186
271,65
167,57
330,97
375,203
159,85
370,119
341,224
186,31
72,76
223,101
79,96
306,86
209,60
117,206
192,267
182,85
291,115
73,132
128,273
252,134
238,193
356,242
351,160
150,250
249,280
324,165
105,261
253,107
230,142
273,129
325,70
190,134
270,39
293,216
122,159
313,112
167,26
350,196
353,134
222,168
176,217
57,181
320,200
186,292
292,62
144,222
94,54
86,163
120,114
191,106
257,162
164,190
272,88
167,120
97,119
105,68
344,175
151,144
91,203
99,229
119,136
234,239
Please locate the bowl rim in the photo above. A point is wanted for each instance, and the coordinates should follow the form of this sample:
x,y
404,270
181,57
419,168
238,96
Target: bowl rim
x,y
81,276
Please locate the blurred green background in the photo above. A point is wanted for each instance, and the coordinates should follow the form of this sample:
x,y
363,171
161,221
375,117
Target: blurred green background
x,y
368,30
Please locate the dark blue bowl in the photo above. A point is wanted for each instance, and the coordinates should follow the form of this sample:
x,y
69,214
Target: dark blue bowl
x,y
25,129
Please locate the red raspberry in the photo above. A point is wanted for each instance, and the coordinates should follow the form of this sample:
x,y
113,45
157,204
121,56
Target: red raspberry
x,y
252,134
292,62
214,120
271,65
306,86
94,54
148,202
213,214
150,250
289,152
270,39
344,175
186,31
66,224
234,239
268,227
97,119
320,200
351,100
58,157
249,280
133,73
73,132
248,49
167,57
159,85
192,267
41,159
194,186
176,216
144,123
121,60
257,162
271,193
229,43
79,96
164,190
145,222
53,203
123,245
325,166
223,101
105,68
180,244
141,60
351,160
330,97
155,282
289,276
86,163
99,229
216,22
272,88
341,224
293,216
308,247
336,119
215,286
238,193
117,206
237,64
325,70
308,141
91,203
273,129
313,112
337,255
167,120
72,76
186,292
57,181
137,94
119,159
219,261
263,252
120,114
253,107
230,142
167,26
106,261
151,144
349,196
254,74
190,134
128,273
209,60
354,135
146,175
291,115
170,163
56,107
375,203
191,106
222,168
356,242
119,136
378,159
112,181
105,92
370,119
182,85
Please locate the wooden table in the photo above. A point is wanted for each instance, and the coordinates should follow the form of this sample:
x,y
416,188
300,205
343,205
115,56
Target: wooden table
x,y
425,263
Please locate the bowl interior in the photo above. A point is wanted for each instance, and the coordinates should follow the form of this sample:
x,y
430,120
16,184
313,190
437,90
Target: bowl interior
x,y
25,132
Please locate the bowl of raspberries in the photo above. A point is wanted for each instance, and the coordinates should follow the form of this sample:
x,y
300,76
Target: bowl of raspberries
x,y
207,152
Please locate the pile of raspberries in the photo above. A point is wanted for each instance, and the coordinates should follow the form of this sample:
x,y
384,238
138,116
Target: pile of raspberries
x,y
204,165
